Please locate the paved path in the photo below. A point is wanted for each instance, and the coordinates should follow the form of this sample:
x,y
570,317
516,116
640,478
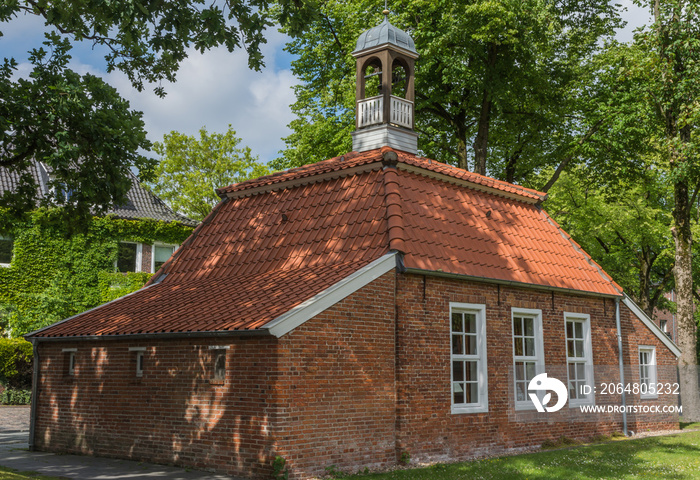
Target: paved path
x,y
14,453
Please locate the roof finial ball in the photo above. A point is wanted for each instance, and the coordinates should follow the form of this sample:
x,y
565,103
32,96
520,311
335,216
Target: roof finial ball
x,y
385,57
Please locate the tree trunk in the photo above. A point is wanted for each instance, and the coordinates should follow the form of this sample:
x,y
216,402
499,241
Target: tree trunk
x,y
462,150
687,329
481,142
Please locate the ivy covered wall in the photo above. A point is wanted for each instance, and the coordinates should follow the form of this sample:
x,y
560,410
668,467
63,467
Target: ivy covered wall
x,y
56,273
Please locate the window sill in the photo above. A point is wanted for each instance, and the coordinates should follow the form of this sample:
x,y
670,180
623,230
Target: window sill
x,y
458,410
217,382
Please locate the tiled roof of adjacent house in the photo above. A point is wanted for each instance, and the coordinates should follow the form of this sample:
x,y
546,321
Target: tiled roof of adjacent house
x,y
277,241
140,202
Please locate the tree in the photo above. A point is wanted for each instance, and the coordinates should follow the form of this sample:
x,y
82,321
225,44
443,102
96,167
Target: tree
x,y
79,126
499,85
661,80
190,169
623,225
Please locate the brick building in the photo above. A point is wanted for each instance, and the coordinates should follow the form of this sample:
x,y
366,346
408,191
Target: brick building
x,y
351,312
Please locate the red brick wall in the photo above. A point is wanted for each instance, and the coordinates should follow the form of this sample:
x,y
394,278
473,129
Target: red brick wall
x,y
173,414
427,429
337,375
146,257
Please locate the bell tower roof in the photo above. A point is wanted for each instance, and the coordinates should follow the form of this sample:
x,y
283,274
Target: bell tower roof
x,y
385,33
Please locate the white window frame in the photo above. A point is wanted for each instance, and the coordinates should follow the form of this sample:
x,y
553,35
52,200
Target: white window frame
x,y
651,350
71,360
587,359
153,252
139,255
139,351
482,368
12,253
538,358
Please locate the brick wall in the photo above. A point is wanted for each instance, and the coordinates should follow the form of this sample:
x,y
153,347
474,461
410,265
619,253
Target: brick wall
x,y
337,376
175,413
146,257
427,429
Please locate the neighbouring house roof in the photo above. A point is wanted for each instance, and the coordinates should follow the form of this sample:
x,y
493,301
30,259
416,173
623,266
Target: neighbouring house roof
x,y
275,243
141,203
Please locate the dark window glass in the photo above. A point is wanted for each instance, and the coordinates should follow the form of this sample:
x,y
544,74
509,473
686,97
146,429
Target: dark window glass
x,y
126,257
161,254
6,245
219,364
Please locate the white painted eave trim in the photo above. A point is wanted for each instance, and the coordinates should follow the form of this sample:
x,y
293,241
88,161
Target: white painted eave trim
x,y
655,329
305,311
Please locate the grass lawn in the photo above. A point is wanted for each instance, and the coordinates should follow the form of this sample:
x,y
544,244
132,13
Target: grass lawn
x,y
9,474
673,457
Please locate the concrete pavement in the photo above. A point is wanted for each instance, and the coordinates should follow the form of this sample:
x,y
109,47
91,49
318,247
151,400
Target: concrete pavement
x,y
14,453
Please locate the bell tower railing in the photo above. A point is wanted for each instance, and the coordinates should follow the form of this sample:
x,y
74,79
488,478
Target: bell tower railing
x,y
370,111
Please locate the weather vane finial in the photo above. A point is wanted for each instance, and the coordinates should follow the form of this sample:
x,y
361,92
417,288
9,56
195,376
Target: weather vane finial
x,y
386,9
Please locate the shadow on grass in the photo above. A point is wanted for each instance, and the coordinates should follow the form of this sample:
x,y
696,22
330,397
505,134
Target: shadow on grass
x,y
675,457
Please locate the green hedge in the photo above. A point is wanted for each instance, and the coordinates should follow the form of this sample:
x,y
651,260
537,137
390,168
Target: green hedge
x,y
15,363
16,397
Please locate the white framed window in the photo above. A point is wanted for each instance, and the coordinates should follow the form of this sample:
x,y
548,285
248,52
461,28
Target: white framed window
x,y
528,352
579,358
139,353
468,370
647,372
6,250
128,257
218,362
160,254
70,361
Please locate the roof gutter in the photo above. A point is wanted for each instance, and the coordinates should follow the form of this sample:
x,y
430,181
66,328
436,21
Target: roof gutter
x,y
157,336
460,276
622,365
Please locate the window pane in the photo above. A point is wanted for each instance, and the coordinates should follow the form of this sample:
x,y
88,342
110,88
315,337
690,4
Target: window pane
x,y
161,255
458,390
529,326
457,322
519,371
470,322
520,389
458,371
220,365
471,371
578,329
518,346
569,330
517,326
580,371
6,245
529,347
578,344
471,344
530,370
472,393
126,257
570,348
457,345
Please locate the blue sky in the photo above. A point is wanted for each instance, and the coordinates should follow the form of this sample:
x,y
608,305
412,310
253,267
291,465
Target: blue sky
x,y
212,89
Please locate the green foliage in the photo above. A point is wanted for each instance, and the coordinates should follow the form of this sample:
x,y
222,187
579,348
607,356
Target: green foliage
x,y
113,285
515,75
55,274
624,226
405,458
79,125
279,469
190,169
15,363
16,397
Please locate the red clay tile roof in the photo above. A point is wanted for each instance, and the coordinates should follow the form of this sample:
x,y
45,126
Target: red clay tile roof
x,y
277,241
